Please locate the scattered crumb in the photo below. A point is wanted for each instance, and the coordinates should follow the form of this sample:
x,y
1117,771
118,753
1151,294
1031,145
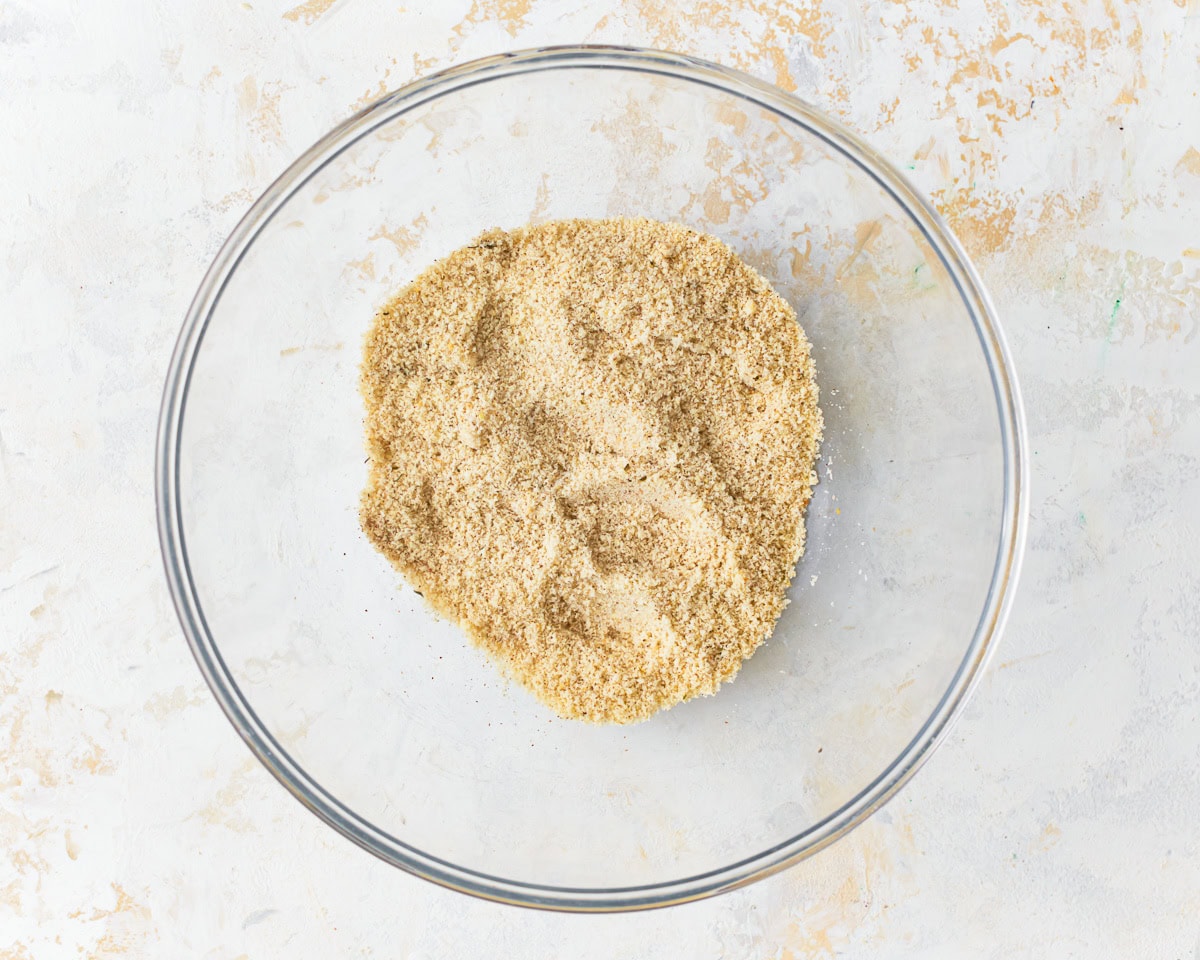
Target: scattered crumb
x,y
592,443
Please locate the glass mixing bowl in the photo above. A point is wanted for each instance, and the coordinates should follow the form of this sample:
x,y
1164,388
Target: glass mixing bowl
x,y
383,719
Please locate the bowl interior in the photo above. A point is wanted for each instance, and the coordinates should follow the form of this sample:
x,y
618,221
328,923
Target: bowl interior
x,y
397,718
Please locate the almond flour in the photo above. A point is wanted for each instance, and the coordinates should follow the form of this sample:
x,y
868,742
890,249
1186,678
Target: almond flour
x,y
592,445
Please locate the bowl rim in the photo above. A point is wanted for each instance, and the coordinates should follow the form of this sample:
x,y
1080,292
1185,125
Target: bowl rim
x,y
872,797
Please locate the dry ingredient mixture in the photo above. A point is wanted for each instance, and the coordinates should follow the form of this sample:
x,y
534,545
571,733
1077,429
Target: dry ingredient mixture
x,y
592,445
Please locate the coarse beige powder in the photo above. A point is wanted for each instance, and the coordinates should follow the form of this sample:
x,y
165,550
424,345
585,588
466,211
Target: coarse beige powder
x,y
592,443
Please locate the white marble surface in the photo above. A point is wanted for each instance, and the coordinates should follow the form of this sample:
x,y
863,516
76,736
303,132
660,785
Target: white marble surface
x,y
1062,818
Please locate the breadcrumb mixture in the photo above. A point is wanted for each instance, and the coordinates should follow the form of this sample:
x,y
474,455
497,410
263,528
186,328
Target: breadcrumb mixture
x,y
592,443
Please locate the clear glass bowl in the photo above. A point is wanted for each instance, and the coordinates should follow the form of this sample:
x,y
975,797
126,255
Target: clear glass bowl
x,y
382,719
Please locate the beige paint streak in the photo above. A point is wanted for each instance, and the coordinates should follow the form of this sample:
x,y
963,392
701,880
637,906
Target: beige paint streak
x,y
309,12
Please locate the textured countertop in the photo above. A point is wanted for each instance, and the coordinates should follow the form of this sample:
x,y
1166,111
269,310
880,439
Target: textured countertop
x,y
1062,142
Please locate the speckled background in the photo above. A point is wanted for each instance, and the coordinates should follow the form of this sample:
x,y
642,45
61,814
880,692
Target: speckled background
x,y
1061,140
